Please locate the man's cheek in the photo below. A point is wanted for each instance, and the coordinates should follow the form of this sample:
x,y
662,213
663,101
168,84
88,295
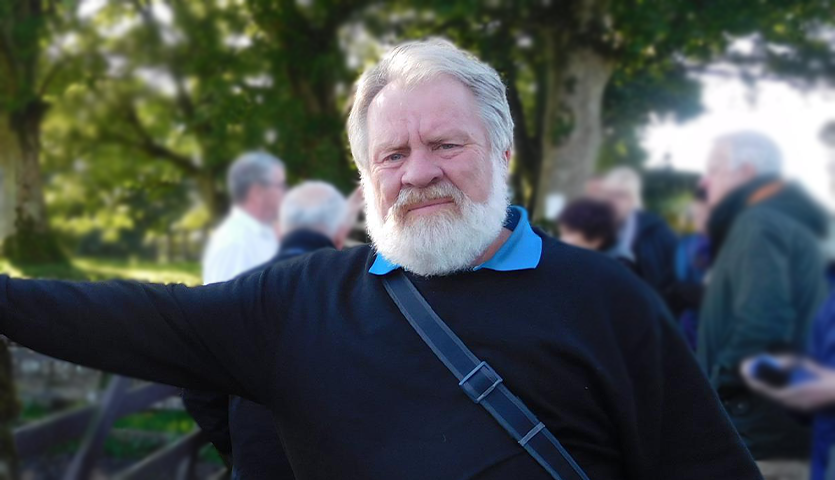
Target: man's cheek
x,y
388,196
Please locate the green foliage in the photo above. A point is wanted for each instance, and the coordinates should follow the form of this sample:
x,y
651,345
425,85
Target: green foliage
x,y
668,192
654,46
150,101
173,423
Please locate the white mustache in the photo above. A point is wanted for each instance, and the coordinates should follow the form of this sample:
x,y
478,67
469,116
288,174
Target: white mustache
x,y
413,196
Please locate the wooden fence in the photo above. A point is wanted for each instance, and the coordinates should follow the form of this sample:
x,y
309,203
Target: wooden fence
x,y
92,424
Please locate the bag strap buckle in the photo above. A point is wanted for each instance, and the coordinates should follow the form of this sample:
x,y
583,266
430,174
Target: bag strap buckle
x,y
480,382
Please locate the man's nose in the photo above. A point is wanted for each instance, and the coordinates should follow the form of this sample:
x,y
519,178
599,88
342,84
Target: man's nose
x,y
421,170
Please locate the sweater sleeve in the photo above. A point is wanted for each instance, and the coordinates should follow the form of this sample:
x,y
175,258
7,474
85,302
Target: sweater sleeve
x,y
216,337
673,425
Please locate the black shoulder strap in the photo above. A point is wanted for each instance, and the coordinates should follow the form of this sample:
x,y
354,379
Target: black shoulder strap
x,y
480,382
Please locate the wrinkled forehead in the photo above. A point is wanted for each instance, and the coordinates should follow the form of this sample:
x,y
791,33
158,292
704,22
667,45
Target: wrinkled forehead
x,y
432,105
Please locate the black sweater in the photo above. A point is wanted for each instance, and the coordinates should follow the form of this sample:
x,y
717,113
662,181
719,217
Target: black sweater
x,y
355,392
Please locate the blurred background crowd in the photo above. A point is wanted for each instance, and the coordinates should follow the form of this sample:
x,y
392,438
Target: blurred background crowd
x,y
189,141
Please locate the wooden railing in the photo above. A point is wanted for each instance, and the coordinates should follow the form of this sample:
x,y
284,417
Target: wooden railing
x,y
92,424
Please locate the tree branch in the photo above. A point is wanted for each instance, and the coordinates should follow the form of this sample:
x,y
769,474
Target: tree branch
x,y
184,101
50,76
147,144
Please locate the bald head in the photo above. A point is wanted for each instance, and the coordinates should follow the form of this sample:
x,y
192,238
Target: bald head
x,y
316,206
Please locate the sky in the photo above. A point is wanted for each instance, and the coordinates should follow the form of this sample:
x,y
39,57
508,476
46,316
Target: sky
x,y
793,118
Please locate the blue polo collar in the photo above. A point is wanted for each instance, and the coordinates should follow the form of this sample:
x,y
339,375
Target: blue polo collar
x,y
521,251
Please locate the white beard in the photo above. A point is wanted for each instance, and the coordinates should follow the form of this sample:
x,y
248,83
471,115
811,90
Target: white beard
x,y
442,243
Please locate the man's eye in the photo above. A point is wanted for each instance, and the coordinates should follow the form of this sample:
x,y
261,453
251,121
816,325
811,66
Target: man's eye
x,y
394,157
447,146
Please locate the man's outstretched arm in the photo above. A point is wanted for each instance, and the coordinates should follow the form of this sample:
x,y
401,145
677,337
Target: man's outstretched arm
x,y
216,337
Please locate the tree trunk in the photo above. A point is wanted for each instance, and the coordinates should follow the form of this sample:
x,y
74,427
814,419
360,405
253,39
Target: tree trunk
x,y
30,200
9,410
573,128
10,161
30,240
216,202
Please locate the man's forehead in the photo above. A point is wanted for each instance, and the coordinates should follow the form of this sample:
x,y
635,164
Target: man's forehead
x,y
437,106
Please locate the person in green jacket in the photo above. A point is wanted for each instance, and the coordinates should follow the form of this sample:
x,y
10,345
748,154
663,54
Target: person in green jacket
x,y
766,284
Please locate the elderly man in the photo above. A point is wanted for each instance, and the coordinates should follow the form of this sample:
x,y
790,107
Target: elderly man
x,y
314,215
645,241
765,287
363,380
246,238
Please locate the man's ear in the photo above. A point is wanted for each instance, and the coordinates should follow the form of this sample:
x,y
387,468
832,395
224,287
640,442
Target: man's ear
x,y
507,154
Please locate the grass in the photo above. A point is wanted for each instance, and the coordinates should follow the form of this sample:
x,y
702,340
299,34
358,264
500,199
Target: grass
x,y
95,269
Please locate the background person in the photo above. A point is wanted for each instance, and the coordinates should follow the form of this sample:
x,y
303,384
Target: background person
x,y
692,263
314,216
766,284
589,224
244,240
644,239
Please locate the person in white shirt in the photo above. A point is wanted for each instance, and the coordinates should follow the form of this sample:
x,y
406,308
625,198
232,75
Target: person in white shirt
x,y
244,240
247,238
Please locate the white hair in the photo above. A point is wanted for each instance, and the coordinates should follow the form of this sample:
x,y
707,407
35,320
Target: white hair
x,y
415,62
317,206
626,179
250,169
754,149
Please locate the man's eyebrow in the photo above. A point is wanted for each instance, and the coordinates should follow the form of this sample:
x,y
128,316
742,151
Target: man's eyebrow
x,y
388,145
444,135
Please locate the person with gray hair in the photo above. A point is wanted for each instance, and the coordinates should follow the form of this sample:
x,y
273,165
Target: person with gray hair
x,y
315,207
766,284
314,216
645,242
246,238
463,344
737,159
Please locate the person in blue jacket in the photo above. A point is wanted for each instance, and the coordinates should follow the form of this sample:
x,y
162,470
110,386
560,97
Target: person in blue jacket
x,y
815,395
692,262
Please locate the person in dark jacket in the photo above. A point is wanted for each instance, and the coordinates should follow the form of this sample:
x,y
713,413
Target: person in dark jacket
x,y
314,216
644,240
766,284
